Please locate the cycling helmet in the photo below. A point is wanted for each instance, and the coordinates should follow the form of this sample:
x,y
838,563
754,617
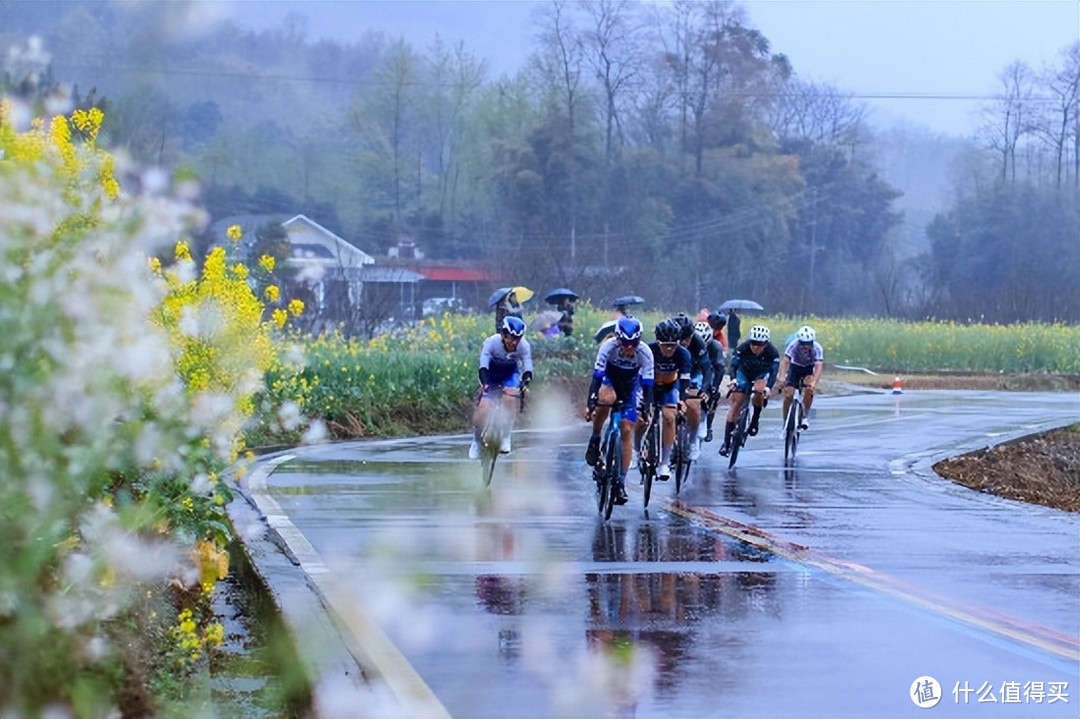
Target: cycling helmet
x,y
667,331
759,333
716,321
628,330
806,334
686,327
513,326
703,331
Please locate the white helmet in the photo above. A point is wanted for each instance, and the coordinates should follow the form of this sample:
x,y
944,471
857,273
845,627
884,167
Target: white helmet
x,y
806,334
759,333
703,331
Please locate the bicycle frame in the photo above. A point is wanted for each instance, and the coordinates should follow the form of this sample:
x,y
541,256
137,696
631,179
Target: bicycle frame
x,y
738,434
606,470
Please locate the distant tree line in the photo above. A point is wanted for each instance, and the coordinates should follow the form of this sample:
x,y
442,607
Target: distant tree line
x,y
661,149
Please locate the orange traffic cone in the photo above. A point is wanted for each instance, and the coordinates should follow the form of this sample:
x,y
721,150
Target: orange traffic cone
x,y
897,388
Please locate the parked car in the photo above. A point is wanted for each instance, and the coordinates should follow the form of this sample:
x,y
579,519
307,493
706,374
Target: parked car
x,y
434,306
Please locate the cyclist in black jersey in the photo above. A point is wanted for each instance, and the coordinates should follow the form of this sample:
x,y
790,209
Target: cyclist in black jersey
x,y
754,365
671,367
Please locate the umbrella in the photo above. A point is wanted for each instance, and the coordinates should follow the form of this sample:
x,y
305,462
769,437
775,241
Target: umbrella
x,y
741,305
524,294
552,298
606,330
627,300
544,320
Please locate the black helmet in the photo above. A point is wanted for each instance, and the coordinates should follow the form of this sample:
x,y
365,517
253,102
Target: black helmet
x,y
685,325
717,321
667,331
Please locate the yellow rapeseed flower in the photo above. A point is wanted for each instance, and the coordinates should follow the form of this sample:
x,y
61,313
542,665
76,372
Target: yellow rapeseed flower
x,y
234,232
267,262
183,251
272,293
280,316
296,307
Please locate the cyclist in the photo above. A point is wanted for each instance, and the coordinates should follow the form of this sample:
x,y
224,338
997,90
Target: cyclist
x,y
671,369
803,362
713,366
690,339
623,365
506,368
754,364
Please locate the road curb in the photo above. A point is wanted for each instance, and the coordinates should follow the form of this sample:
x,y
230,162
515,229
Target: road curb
x,y
355,670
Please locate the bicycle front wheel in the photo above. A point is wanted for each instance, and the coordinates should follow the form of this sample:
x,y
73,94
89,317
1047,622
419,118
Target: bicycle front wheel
x,y
682,455
791,430
738,435
613,465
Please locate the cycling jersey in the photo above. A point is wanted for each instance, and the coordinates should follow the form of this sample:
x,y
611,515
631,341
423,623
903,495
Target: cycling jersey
x,y
624,374
671,370
748,367
804,355
502,368
712,367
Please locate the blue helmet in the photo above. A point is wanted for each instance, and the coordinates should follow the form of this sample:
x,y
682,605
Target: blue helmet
x,y
628,330
513,326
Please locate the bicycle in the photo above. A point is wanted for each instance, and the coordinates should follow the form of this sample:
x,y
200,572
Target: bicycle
x,y
649,459
607,467
497,426
793,426
738,433
680,451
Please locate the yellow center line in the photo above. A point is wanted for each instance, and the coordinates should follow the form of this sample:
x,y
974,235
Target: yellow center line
x,y
1050,640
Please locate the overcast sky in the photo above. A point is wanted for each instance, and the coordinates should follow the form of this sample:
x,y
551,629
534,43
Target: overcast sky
x,y
914,60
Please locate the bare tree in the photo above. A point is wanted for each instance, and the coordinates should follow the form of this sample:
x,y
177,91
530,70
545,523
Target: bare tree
x,y
613,50
1009,117
818,113
1058,124
387,123
456,78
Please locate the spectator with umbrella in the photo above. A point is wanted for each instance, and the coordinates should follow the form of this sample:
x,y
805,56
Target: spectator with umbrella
x,y
564,300
620,306
507,302
732,307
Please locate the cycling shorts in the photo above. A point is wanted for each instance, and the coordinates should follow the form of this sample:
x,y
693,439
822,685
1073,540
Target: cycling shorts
x,y
628,394
666,397
742,382
797,373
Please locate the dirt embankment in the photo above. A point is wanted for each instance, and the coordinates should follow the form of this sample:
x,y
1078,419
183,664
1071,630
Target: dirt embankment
x,y
1041,469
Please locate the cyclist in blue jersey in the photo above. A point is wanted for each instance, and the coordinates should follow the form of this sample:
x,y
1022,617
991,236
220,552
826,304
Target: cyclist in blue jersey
x,y
623,366
506,369
801,365
671,372
754,364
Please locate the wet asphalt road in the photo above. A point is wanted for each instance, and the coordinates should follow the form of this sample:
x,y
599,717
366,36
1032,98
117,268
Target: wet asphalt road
x,y
823,591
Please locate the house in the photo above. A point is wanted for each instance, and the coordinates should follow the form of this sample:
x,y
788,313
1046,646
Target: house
x,y
339,283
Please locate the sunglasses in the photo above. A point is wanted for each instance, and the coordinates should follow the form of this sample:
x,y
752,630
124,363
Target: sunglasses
x,y
629,343
668,345
755,343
